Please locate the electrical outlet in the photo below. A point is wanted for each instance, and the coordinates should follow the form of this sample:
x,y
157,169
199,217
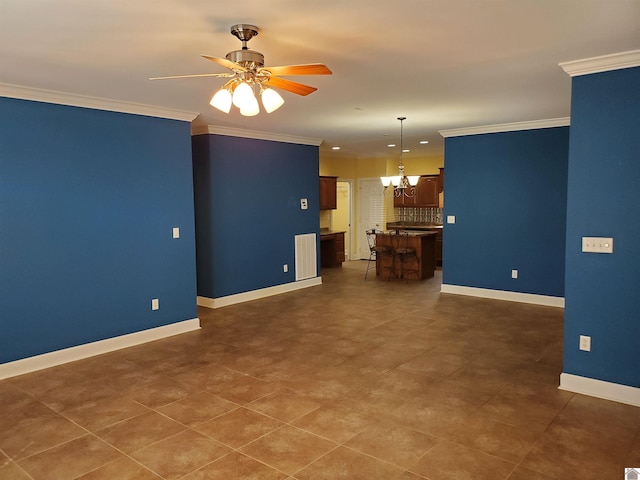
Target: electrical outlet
x,y
304,204
585,343
514,273
285,268
155,304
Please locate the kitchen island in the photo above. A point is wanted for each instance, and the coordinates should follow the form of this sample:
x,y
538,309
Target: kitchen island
x,y
422,227
390,264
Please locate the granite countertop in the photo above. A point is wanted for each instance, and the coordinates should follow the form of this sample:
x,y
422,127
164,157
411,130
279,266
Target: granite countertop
x,y
326,231
410,233
413,226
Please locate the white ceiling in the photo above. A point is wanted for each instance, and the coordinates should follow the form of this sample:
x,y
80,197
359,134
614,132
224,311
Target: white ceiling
x,y
441,63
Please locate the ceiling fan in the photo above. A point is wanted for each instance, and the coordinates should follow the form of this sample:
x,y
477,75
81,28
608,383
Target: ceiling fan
x,y
248,74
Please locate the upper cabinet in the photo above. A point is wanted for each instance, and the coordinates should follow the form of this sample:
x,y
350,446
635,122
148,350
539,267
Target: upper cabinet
x,y
328,193
427,191
403,201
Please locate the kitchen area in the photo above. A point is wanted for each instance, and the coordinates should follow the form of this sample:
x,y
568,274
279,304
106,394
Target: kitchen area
x,y
417,213
422,212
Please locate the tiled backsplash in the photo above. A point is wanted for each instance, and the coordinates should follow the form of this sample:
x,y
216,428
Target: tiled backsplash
x,y
418,214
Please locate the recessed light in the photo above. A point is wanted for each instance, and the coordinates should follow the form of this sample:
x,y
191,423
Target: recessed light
x,y
335,148
424,142
406,150
391,145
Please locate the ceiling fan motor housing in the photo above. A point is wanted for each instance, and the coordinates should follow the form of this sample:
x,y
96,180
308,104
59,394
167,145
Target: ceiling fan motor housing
x,y
244,32
247,58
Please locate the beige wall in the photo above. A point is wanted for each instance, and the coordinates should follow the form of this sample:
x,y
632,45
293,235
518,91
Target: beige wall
x,y
422,166
377,167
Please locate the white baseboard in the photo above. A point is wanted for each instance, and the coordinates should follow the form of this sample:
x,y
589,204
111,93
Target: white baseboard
x,y
256,294
600,389
504,295
71,354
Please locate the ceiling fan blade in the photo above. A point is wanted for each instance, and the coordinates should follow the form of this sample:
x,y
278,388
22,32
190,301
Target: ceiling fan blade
x,y
225,63
309,69
194,76
288,85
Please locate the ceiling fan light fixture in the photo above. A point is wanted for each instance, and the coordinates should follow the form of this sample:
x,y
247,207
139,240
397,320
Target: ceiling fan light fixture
x,y
243,95
222,100
271,100
250,107
249,75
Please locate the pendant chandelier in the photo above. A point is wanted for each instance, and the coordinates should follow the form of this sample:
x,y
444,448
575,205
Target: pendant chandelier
x,y
403,185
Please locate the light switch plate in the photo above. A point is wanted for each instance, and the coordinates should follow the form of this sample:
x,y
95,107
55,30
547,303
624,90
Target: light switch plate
x,y
176,232
585,343
451,219
155,304
597,244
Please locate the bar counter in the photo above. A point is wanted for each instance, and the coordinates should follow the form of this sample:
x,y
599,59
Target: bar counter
x,y
389,264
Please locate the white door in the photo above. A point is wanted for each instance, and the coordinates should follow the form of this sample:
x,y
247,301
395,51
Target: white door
x,y
370,211
341,216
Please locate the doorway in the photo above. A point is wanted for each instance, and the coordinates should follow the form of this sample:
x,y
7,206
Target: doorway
x,y
370,212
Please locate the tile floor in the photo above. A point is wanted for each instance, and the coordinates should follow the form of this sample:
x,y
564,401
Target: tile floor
x,y
353,380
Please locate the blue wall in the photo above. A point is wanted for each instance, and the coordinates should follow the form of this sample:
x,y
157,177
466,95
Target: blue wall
x,y
603,291
508,194
248,195
88,200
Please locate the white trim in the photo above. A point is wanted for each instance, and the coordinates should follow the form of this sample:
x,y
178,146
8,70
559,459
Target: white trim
x,y
239,132
600,389
504,295
506,127
256,294
604,63
66,355
62,98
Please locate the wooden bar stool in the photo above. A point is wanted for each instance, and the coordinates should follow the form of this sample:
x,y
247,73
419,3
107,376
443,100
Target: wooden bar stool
x,y
374,250
405,254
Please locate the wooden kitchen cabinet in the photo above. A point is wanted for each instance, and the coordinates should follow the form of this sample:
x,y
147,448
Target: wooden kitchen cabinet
x,y
332,249
403,201
328,193
427,191
438,246
340,247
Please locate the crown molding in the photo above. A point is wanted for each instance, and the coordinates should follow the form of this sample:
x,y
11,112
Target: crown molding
x,y
73,100
506,127
604,63
239,132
